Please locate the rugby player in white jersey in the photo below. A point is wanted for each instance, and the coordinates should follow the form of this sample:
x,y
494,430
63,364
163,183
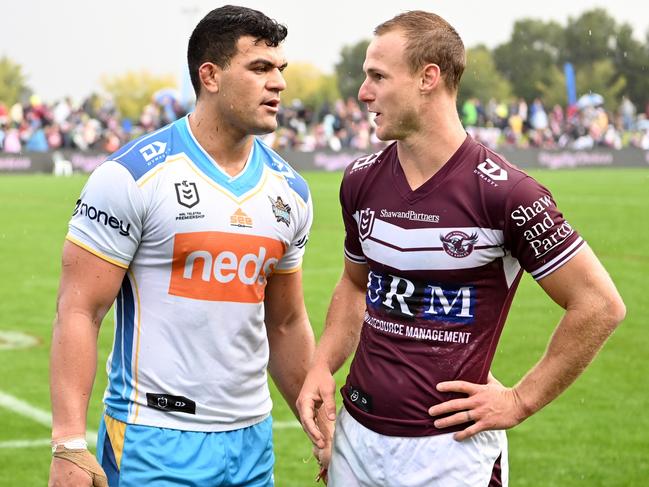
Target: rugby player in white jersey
x,y
438,232
196,233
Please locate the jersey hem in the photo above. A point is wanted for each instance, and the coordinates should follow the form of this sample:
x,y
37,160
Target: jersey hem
x,y
292,270
78,243
392,427
208,427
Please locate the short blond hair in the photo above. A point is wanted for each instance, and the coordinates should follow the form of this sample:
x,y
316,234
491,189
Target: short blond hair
x,y
429,39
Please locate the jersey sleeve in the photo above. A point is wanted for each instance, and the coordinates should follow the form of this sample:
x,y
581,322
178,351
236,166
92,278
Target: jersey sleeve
x,y
536,232
292,259
108,216
353,249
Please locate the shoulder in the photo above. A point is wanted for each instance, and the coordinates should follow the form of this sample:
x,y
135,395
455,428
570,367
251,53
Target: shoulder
x,y
146,152
278,165
362,167
496,172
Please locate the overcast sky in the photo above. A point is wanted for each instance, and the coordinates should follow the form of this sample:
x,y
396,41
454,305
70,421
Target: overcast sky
x,y
66,46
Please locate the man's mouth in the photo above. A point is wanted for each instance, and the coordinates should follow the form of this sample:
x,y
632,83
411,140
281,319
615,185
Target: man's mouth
x,y
272,103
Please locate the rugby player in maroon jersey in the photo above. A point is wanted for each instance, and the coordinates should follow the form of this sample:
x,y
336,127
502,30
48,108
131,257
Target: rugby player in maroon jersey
x,y
439,230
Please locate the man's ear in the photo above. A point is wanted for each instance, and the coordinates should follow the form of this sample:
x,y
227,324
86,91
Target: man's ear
x,y
430,77
210,76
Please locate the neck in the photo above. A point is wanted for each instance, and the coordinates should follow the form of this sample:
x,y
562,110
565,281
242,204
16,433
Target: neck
x,y
228,147
424,152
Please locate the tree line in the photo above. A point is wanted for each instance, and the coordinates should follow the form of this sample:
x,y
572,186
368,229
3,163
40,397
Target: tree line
x,y
606,57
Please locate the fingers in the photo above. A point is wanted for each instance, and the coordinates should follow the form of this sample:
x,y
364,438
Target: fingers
x,y
468,432
460,417
459,386
318,392
307,410
329,404
451,406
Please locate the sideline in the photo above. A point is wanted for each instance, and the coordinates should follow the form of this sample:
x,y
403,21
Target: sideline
x,y
40,416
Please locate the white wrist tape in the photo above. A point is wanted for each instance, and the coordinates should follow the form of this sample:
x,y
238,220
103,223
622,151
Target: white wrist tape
x,y
71,444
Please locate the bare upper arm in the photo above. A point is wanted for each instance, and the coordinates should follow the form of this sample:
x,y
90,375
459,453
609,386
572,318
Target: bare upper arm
x,y
583,281
88,284
356,274
284,298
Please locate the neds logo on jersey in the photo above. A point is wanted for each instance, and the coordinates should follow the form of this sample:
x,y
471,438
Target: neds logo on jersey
x,y
221,266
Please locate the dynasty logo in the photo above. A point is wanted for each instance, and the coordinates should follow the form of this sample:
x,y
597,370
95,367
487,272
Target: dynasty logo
x,y
281,210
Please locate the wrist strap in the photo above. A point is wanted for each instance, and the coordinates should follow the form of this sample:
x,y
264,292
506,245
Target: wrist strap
x,y
70,444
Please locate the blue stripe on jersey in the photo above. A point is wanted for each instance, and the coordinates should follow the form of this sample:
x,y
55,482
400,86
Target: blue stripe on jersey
x,y
273,160
238,185
146,152
120,377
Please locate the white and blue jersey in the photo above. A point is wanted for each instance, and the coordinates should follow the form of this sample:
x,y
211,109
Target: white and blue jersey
x,y
190,348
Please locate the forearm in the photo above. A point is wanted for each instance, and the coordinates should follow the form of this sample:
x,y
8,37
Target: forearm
x,y
73,364
574,344
342,327
292,349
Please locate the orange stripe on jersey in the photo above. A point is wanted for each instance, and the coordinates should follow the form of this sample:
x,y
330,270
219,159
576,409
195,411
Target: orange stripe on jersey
x,y
221,266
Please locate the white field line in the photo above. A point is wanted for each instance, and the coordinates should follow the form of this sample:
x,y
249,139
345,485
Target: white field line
x,y
43,417
40,416
286,425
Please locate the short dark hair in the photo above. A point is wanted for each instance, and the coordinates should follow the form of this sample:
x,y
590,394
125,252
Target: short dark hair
x,y
430,39
215,37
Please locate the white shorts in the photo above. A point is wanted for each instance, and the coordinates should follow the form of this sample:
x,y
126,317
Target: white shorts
x,y
363,458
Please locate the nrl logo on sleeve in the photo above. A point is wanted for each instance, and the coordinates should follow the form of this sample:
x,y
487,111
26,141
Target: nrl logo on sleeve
x,y
458,244
281,210
187,194
365,223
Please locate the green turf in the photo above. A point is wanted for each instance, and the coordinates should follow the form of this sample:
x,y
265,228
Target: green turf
x,y
594,435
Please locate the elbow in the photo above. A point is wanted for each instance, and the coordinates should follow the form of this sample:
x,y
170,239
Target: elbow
x,y
613,311
618,311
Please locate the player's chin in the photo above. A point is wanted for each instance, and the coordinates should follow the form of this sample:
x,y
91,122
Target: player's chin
x,y
383,133
265,126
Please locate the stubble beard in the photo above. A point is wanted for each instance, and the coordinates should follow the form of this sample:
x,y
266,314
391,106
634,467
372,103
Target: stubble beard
x,y
406,124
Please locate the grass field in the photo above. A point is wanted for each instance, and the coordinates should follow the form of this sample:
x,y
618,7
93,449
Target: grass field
x,y
596,434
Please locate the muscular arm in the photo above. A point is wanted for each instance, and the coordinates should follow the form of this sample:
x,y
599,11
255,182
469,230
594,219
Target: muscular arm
x,y
593,310
338,341
87,289
290,336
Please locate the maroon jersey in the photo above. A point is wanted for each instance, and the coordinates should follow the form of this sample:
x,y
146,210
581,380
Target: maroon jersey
x,y
444,261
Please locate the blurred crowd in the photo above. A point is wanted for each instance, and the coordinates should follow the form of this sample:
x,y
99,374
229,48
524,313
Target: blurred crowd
x,y
583,125
95,124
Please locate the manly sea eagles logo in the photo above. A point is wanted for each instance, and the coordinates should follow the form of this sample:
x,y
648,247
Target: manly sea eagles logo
x,y
187,194
281,210
365,223
458,244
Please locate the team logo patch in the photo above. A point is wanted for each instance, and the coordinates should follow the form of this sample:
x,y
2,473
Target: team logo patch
x,y
281,210
240,219
365,223
458,244
187,194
